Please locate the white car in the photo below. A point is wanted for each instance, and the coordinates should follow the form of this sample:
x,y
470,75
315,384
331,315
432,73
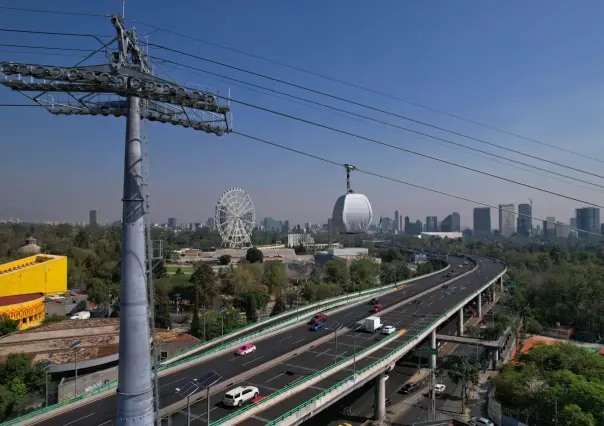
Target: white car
x,y
481,421
388,329
439,388
239,395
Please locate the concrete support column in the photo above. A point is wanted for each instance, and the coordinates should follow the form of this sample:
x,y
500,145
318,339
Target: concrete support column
x,y
501,284
379,400
479,305
460,322
433,346
495,358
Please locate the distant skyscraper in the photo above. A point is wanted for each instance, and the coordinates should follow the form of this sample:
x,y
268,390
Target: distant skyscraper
x,y
285,227
93,218
211,223
588,220
408,226
507,219
451,223
562,230
549,227
418,228
397,221
172,222
482,221
431,224
524,223
271,225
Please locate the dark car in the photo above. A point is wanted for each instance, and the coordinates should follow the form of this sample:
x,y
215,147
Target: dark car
x,y
410,388
374,301
448,275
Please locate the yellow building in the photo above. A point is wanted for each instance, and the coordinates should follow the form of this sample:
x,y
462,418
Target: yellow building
x,y
25,282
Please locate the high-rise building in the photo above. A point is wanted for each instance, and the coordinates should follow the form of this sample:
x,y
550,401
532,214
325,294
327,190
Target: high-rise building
x,y
418,228
387,224
524,222
562,230
172,222
588,220
451,223
482,221
431,224
507,219
549,227
271,225
285,227
93,218
408,228
397,221
573,224
211,223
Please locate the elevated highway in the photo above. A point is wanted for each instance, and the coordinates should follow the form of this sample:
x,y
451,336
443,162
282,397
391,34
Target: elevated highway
x,y
301,351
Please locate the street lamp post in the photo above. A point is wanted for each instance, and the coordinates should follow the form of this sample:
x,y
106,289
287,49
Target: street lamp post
x,y
75,347
222,311
204,324
45,368
298,305
336,328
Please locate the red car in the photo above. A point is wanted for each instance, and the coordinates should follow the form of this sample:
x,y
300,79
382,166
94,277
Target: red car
x,y
377,308
318,318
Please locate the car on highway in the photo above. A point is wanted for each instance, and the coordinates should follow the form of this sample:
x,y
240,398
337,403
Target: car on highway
x,y
377,308
318,318
236,397
389,329
248,348
410,388
374,301
480,421
317,326
448,275
460,266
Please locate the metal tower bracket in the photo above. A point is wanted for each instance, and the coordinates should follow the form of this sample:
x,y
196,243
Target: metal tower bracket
x,y
349,168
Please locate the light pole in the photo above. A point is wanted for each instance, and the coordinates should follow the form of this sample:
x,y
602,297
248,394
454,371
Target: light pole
x,y
45,367
204,324
298,305
75,347
186,392
336,327
222,311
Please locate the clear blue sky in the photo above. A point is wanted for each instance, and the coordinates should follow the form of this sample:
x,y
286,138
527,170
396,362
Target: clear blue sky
x,y
535,68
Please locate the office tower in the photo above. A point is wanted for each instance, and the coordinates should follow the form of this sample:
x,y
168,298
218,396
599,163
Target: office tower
x,y
271,225
397,221
482,221
524,223
562,230
549,227
431,224
419,226
588,220
211,223
93,218
172,222
451,223
507,219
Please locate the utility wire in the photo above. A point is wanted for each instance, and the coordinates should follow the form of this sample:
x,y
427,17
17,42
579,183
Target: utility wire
x,y
97,37
29,46
376,141
359,104
375,120
378,175
316,74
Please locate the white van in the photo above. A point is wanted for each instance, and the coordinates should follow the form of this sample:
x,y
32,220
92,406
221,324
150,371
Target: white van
x,y
237,396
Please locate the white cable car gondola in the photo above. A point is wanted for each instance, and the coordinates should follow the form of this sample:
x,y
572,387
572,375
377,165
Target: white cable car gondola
x,y
352,212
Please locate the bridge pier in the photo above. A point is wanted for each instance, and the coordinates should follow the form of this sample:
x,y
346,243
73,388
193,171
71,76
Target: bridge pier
x,y
460,322
379,400
479,305
432,362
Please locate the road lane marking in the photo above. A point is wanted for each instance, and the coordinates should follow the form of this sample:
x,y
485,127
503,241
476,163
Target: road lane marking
x,y
323,353
77,420
262,419
285,338
278,375
104,423
255,359
298,341
297,366
167,384
263,386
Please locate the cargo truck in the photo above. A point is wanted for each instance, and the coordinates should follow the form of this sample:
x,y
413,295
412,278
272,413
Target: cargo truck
x,y
373,324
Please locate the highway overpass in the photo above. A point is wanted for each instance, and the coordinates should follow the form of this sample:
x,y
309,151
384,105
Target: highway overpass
x,y
288,357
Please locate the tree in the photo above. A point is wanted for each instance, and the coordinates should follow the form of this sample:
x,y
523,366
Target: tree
x,y
462,372
163,319
275,276
254,255
279,307
225,259
391,255
8,325
204,280
300,249
364,273
196,327
251,302
425,268
336,271
159,270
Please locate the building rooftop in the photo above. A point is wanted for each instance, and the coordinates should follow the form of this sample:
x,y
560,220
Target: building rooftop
x,y
22,298
99,338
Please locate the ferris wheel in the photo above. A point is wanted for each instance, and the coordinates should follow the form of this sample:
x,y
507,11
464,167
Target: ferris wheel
x,y
235,218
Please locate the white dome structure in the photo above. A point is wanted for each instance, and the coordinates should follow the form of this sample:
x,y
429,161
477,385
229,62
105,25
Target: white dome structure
x,y
352,214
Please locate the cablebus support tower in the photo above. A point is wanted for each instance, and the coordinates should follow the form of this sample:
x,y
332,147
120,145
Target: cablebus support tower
x,y
129,89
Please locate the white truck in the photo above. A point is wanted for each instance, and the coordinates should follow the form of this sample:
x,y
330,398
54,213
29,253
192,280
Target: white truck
x,y
373,324
81,315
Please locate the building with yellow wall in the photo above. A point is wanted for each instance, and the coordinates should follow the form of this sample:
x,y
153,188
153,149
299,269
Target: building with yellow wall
x,y
25,282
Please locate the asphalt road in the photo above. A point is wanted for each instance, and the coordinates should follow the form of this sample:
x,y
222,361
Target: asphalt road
x,y
320,357
102,412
